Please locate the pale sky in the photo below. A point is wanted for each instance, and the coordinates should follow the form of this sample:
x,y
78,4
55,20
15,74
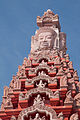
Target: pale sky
x,y
18,24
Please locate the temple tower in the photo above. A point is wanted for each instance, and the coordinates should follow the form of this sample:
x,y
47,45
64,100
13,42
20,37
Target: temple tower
x,y
46,86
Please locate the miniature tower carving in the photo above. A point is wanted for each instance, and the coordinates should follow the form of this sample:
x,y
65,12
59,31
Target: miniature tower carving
x,y
46,86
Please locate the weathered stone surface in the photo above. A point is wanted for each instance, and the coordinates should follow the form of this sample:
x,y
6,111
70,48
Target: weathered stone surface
x,y
46,87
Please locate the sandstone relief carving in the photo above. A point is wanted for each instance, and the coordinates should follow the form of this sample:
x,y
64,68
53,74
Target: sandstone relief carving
x,y
37,117
77,100
63,82
74,116
13,118
38,100
38,108
69,99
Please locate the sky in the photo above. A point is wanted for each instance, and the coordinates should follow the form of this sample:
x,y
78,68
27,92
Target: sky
x,y
18,24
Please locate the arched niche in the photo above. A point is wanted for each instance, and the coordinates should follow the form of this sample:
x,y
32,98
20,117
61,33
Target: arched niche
x,y
45,96
42,110
44,78
45,58
44,68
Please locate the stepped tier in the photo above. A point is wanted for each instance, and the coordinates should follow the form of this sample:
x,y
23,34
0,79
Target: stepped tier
x,y
46,86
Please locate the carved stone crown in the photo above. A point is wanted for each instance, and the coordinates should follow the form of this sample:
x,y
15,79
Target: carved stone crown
x,y
48,19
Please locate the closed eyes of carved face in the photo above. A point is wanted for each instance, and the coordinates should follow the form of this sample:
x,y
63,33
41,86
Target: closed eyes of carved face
x,y
45,38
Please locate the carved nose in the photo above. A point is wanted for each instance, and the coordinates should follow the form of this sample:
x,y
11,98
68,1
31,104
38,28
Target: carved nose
x,y
44,39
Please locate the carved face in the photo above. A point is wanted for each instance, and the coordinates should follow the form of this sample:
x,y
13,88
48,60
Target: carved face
x,y
45,40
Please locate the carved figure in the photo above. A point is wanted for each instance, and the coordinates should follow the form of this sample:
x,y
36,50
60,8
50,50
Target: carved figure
x,y
62,40
37,117
41,73
21,71
74,116
6,90
72,84
63,81
75,76
39,100
17,84
8,102
41,84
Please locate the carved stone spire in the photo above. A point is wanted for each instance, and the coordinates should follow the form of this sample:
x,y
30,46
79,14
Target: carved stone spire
x,y
48,37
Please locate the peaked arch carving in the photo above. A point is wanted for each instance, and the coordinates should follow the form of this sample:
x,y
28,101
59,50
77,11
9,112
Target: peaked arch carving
x,y
38,108
40,90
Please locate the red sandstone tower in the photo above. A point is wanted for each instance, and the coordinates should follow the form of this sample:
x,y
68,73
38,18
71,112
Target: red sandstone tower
x,y
46,87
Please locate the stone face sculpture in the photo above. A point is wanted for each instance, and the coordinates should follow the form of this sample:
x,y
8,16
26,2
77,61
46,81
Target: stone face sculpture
x,y
44,39
74,116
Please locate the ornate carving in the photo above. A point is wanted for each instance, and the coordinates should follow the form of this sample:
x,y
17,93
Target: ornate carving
x,y
70,65
8,103
17,85
13,118
21,96
60,71
39,90
64,63
21,71
37,117
67,72
77,100
38,100
74,116
78,86
6,90
63,82
56,94
67,57
57,61
61,116
44,78
38,108
41,84
43,39
71,84
43,56
48,19
62,41
11,86
26,62
42,67
69,99
75,76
